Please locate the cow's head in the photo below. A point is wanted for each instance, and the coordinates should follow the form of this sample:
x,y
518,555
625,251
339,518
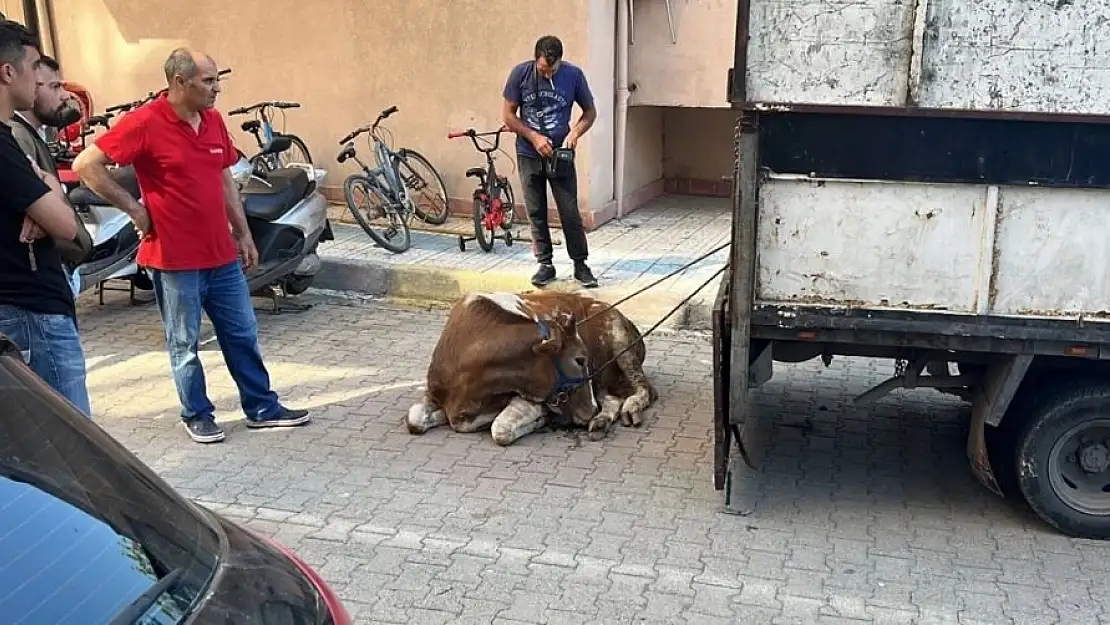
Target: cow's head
x,y
567,366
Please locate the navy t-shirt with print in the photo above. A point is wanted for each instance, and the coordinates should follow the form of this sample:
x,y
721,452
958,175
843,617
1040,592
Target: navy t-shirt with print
x,y
548,111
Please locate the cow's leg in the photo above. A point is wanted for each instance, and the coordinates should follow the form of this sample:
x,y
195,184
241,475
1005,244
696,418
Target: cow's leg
x,y
520,418
643,394
469,424
424,416
600,424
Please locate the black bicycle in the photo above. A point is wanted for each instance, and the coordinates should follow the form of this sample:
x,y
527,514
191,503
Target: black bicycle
x,y
494,201
262,128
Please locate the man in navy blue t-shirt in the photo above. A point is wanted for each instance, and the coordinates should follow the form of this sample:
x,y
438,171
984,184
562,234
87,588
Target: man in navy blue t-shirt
x,y
544,91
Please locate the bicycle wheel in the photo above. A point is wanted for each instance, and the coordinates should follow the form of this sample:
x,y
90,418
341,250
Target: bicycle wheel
x,y
423,181
297,153
509,206
484,237
369,204
262,164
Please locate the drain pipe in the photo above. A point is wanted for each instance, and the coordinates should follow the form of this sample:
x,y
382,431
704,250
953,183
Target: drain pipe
x,y
619,132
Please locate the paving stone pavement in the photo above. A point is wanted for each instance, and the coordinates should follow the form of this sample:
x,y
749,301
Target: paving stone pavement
x,y
870,515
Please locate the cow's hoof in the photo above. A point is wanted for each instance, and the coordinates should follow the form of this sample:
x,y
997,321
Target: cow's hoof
x,y
421,418
502,433
631,419
599,428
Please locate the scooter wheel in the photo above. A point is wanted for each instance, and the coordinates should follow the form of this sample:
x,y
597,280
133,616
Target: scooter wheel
x,y
462,244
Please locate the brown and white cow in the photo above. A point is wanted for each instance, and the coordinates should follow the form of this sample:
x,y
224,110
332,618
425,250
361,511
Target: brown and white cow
x,y
505,360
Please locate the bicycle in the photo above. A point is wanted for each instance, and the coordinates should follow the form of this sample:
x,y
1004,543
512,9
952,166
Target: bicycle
x,y
262,129
104,120
494,201
390,185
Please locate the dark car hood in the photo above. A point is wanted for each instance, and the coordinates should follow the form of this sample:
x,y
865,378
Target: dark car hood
x,y
256,584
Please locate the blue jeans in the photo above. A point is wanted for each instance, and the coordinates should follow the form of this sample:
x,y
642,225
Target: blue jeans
x,y
52,348
221,293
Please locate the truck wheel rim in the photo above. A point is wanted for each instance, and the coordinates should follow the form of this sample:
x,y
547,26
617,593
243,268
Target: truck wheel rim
x,y
1079,467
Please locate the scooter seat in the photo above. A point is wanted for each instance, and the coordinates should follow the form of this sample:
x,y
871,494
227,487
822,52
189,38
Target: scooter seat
x,y
476,171
124,177
270,199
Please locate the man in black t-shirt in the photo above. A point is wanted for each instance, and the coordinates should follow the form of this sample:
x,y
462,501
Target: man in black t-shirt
x,y
36,304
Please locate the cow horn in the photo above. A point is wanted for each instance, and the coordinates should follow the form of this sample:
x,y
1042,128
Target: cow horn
x,y
551,339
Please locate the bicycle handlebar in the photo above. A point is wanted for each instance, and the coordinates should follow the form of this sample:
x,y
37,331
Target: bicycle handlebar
x,y
470,132
370,127
151,95
278,104
99,120
474,134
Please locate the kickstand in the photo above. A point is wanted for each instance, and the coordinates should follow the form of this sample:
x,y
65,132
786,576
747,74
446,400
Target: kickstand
x,y
282,304
135,301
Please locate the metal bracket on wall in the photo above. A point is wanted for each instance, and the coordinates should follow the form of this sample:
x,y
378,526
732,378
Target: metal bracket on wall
x,y
632,21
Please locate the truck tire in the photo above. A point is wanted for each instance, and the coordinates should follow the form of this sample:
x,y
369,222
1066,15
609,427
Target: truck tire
x,y
1062,458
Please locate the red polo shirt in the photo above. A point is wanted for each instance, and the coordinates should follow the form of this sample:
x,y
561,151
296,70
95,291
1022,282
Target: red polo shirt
x,y
180,173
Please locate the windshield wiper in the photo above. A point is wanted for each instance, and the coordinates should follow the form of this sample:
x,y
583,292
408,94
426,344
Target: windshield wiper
x,y
142,603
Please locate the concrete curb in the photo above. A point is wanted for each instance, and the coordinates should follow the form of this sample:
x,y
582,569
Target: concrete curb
x,y
440,287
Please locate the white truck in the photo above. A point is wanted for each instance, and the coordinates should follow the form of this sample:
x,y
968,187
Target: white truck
x,y
928,181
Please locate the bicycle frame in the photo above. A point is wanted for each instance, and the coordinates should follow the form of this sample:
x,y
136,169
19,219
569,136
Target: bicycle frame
x,y
387,163
492,187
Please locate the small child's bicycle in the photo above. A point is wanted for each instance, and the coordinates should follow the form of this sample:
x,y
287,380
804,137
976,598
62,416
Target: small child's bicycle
x,y
493,198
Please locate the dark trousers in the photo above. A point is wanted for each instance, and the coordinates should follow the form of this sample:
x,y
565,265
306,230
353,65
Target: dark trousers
x,y
565,191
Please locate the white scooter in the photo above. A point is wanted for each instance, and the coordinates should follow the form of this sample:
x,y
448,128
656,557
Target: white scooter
x,y
286,213
288,218
115,242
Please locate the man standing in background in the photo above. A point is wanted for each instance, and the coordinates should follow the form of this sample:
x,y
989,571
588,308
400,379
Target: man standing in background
x,y
37,311
29,126
539,96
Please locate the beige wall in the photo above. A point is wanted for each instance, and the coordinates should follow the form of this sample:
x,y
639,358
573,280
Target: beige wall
x,y
12,9
643,163
698,143
694,70
345,60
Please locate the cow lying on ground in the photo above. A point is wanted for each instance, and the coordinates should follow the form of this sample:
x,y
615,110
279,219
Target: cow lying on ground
x,y
505,360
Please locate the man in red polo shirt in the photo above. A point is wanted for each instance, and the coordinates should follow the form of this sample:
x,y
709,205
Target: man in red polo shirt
x,y
181,152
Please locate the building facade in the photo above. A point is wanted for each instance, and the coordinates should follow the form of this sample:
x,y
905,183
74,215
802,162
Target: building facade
x,y
443,64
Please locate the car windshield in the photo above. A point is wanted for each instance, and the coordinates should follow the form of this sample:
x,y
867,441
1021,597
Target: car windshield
x,y
88,534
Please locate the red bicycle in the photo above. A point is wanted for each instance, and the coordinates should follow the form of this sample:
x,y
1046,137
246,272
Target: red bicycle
x,y
493,198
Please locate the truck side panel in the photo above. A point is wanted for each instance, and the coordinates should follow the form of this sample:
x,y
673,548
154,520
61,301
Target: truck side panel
x,y
1047,56
829,51
962,248
870,243
1037,56
1052,254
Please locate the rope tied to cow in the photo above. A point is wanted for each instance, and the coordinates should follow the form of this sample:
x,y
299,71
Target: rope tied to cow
x,y
563,395
666,277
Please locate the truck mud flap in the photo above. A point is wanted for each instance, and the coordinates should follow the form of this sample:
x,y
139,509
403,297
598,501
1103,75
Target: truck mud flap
x,y
995,393
738,446
722,348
